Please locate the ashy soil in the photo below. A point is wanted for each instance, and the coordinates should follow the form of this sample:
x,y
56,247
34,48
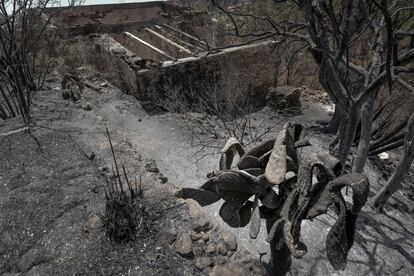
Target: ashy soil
x,y
51,199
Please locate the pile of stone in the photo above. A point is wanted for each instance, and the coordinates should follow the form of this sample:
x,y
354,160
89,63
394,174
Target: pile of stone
x,y
285,99
214,251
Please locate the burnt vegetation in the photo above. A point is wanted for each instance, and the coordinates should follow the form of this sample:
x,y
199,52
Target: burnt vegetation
x,y
358,48
271,182
125,216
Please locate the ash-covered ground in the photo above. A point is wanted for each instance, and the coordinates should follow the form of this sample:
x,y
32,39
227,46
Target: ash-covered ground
x,y
50,199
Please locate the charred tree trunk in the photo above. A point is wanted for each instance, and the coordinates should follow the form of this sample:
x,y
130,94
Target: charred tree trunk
x,y
335,122
346,134
365,134
394,183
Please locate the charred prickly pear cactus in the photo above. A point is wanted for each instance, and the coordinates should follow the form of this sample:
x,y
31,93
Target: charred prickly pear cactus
x,y
272,174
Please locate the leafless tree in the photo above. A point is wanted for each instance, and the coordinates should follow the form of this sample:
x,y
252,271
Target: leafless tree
x,y
394,183
23,29
332,31
212,113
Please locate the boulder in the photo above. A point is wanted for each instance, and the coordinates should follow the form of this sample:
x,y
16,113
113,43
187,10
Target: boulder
x,y
184,245
203,262
284,98
229,240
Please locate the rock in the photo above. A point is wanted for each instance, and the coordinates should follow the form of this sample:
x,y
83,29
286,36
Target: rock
x,y
195,236
205,237
229,240
284,98
151,166
119,51
203,262
230,254
199,247
201,222
66,94
164,238
211,249
87,106
105,170
92,86
93,226
220,260
75,93
221,249
184,245
162,178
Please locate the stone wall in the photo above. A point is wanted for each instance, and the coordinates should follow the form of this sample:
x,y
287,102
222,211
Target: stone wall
x,y
253,66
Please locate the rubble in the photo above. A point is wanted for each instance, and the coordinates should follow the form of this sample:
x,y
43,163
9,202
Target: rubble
x,y
284,99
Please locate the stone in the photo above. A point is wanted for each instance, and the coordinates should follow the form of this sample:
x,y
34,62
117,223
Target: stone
x,y
87,106
284,98
221,249
205,237
66,94
184,245
195,236
162,178
164,238
92,226
230,254
229,240
151,166
105,170
211,249
75,93
203,262
119,51
199,247
201,222
220,260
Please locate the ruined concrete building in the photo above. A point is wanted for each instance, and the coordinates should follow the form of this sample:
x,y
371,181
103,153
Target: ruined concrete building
x,y
157,45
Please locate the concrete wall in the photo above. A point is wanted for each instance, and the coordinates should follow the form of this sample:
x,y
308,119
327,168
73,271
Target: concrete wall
x,y
254,66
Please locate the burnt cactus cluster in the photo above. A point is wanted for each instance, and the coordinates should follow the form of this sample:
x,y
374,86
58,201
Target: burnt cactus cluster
x,y
289,190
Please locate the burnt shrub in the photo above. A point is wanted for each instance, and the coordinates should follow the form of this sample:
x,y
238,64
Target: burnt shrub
x,y
125,213
124,216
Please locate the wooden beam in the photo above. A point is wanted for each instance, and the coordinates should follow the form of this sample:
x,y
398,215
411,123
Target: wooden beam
x,y
181,48
150,46
185,34
178,40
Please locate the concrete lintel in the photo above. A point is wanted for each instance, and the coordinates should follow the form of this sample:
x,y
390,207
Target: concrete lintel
x,y
185,34
221,52
181,48
143,42
177,39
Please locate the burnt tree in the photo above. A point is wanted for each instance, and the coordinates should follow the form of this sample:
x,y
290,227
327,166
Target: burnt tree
x,y
332,31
